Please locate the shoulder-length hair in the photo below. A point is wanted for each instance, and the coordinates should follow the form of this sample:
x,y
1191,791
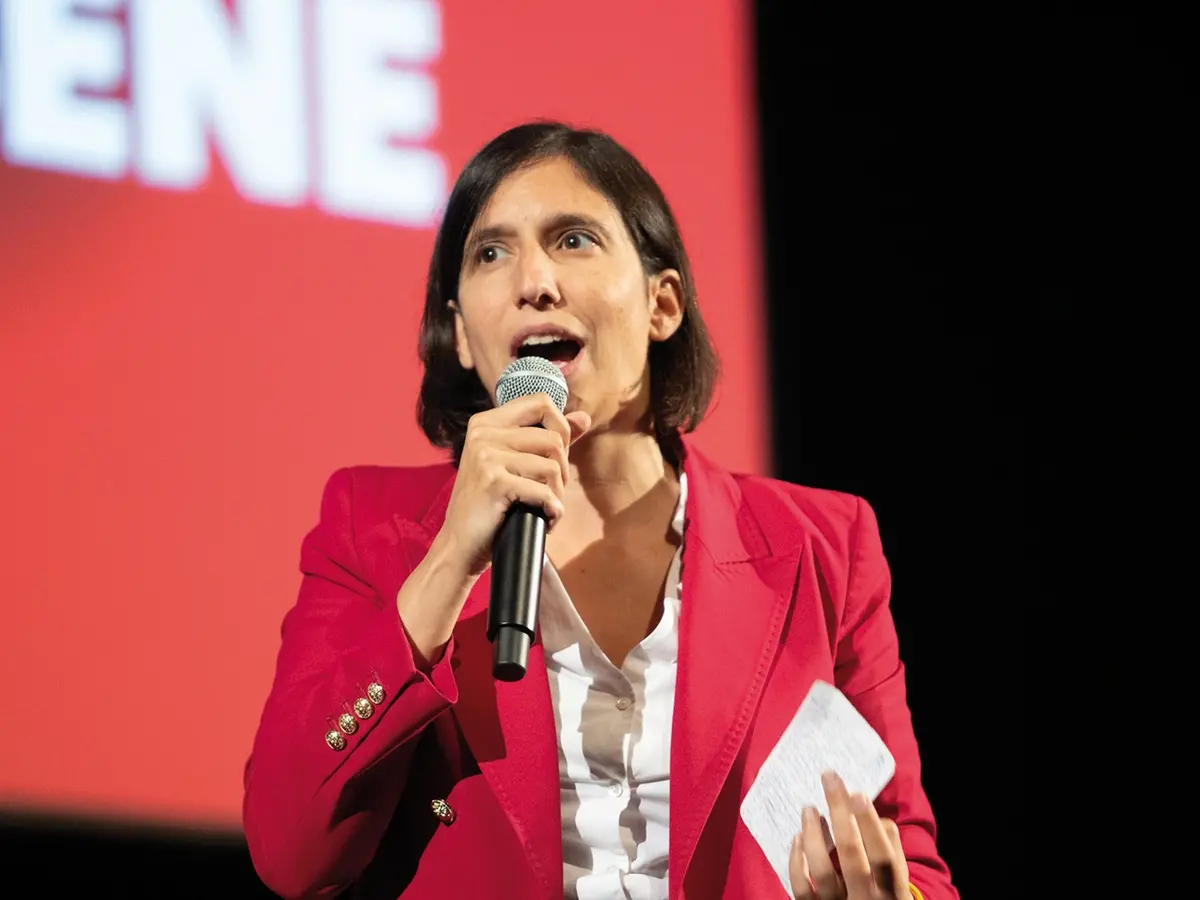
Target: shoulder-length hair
x,y
683,368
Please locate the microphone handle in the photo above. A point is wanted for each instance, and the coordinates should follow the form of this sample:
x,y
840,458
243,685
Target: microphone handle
x,y
517,555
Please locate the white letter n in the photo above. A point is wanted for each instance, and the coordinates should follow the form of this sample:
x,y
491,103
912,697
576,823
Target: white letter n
x,y
193,73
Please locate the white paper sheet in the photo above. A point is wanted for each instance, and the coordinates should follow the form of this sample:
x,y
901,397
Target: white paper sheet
x,y
826,734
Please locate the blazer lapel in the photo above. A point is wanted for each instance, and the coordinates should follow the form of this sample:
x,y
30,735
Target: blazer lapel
x,y
509,727
736,594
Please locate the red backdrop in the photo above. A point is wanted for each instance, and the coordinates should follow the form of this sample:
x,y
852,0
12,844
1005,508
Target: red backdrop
x,y
183,367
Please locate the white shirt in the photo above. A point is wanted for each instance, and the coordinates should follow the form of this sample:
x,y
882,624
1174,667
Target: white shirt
x,y
614,743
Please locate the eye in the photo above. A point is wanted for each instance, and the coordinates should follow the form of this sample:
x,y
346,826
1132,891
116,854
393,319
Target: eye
x,y
578,240
490,254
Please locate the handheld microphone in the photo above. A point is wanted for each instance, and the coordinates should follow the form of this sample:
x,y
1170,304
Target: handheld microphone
x,y
519,547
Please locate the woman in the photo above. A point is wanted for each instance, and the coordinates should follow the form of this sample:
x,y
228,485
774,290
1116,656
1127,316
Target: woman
x,y
685,611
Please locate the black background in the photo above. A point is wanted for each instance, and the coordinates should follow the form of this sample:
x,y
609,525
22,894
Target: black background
x,y
914,176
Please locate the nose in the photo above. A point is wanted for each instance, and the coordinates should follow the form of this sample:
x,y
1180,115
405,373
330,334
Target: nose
x,y
537,286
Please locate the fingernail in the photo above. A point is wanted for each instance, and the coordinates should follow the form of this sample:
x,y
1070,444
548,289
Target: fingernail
x,y
809,816
831,780
861,803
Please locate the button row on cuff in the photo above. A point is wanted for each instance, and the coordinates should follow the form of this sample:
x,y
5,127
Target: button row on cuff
x,y
364,708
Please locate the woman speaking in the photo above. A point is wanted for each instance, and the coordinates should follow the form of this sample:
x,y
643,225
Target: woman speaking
x,y
685,612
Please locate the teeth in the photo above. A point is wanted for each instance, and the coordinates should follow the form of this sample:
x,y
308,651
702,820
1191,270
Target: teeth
x,y
540,339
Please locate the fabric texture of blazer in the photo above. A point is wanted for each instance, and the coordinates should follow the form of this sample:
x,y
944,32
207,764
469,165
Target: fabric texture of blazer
x,y
782,585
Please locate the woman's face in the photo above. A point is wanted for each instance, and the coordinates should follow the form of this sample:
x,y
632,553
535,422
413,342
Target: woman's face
x,y
550,270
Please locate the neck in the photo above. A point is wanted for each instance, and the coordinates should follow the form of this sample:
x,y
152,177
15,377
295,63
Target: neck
x,y
612,470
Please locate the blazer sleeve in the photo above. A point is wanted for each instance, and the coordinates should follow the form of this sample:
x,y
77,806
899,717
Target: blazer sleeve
x,y
869,672
313,813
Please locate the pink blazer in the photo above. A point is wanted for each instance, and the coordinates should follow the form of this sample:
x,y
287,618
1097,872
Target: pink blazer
x,y
781,585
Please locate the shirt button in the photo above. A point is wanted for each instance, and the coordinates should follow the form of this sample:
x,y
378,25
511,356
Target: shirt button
x,y
617,789
624,703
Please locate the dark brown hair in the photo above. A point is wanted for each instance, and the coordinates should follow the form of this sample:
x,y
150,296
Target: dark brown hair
x,y
683,368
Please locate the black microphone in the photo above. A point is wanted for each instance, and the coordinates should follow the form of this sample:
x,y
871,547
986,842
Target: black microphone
x,y
520,543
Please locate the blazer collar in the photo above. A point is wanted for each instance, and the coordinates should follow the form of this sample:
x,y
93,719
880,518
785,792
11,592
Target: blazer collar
x,y
738,537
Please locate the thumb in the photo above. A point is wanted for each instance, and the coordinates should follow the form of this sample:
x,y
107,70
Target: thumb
x,y
580,422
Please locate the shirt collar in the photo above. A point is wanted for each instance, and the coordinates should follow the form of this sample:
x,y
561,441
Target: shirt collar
x,y
680,508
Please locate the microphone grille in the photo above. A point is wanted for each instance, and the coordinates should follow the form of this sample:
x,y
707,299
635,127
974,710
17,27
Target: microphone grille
x,y
532,375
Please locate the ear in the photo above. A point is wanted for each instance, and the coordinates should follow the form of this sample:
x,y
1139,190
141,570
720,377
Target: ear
x,y
666,304
461,347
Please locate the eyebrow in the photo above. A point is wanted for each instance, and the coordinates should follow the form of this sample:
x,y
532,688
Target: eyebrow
x,y
556,223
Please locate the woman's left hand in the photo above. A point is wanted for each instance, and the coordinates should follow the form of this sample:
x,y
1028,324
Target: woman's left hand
x,y
868,847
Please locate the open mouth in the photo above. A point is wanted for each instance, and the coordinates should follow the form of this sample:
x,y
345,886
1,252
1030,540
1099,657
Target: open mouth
x,y
557,349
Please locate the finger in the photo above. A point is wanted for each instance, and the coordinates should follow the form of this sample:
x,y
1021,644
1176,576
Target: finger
x,y
538,441
856,869
533,467
802,886
881,855
531,493
580,422
532,409
820,867
892,830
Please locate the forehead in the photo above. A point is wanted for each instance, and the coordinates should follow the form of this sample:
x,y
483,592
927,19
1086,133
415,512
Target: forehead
x,y
548,188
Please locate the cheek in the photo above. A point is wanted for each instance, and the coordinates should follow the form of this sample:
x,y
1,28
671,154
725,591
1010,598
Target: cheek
x,y
620,298
627,344
487,355
629,313
482,313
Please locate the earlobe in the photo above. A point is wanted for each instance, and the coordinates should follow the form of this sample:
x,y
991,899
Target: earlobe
x,y
666,304
461,347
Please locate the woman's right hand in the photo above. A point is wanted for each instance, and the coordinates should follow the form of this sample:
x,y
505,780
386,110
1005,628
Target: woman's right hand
x,y
506,459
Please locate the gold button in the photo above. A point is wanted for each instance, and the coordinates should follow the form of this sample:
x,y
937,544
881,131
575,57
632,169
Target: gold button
x,y
347,724
375,692
335,740
442,810
363,708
